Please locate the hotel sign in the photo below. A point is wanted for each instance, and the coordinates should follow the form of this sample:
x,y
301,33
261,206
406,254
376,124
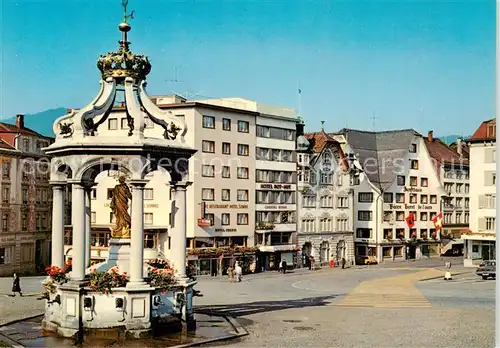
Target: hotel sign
x,y
277,187
288,207
409,206
412,189
228,206
225,230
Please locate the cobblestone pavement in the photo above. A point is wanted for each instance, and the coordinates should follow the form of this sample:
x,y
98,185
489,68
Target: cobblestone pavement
x,y
14,308
358,308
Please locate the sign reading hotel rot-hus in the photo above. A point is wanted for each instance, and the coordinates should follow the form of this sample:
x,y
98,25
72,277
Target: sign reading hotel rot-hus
x,y
228,206
410,206
276,186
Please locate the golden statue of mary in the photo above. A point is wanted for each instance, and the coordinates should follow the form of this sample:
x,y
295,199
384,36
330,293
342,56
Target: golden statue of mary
x,y
119,207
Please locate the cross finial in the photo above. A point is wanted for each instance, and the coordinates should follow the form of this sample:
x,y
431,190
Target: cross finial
x,y
126,16
322,125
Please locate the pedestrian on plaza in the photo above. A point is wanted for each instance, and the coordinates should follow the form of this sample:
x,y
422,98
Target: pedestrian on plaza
x,y
237,271
16,286
343,262
283,266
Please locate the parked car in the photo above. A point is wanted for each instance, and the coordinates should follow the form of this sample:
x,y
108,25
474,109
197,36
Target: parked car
x,y
366,260
487,269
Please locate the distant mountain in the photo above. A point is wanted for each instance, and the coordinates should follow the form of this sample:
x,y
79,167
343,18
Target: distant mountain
x,y
448,139
40,122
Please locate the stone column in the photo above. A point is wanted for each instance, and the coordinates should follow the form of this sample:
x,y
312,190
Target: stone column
x,y
78,215
88,225
58,225
178,240
137,234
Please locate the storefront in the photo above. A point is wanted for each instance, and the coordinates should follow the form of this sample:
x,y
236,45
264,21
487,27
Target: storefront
x,y
270,257
216,261
478,247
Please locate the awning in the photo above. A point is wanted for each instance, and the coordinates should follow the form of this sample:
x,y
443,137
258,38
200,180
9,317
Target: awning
x,y
274,248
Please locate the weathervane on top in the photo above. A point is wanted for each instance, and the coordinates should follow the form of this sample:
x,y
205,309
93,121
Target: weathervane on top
x,y
126,16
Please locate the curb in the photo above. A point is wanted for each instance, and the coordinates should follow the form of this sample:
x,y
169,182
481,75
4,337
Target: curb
x,y
22,319
440,277
10,341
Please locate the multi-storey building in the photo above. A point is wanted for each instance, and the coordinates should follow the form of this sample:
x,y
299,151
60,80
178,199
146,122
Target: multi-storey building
x,y
480,238
325,200
26,200
452,168
397,186
222,197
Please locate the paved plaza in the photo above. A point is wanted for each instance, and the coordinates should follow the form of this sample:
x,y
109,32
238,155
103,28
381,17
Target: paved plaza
x,y
392,305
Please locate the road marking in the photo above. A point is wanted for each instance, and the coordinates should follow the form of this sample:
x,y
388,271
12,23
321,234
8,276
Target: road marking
x,y
296,286
392,292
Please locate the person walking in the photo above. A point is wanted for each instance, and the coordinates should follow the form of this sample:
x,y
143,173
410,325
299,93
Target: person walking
x,y
283,266
237,271
343,262
16,286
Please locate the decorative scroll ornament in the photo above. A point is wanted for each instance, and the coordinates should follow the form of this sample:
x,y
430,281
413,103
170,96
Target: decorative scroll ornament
x,y
66,129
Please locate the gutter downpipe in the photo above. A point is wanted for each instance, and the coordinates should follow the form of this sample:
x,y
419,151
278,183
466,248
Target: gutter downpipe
x,y
379,256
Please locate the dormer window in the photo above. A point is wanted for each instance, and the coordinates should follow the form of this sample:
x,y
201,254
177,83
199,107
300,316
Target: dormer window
x,y
413,148
491,130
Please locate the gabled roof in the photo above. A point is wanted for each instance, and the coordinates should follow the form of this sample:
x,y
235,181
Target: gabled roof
x,y
321,141
12,128
378,152
6,146
443,153
486,131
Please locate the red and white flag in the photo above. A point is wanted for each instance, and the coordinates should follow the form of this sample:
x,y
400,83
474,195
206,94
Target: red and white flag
x,y
438,221
410,220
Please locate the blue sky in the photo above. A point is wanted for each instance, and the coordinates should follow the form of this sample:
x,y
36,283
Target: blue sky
x,y
413,64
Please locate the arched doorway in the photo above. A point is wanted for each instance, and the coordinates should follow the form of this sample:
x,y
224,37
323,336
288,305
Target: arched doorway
x,y
324,252
340,251
306,252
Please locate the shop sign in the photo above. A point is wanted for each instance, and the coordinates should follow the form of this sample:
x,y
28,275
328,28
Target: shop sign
x,y
228,206
225,230
412,189
276,207
393,206
276,187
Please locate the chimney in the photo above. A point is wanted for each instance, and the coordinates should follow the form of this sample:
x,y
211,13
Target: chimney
x,y
429,136
20,121
459,146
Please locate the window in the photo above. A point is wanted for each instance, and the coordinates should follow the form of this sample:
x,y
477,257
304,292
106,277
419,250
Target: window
x,y
400,180
466,188
459,188
148,218
93,217
309,201
388,197
6,194
423,233
124,123
226,148
424,199
242,219
413,181
355,180
5,222
242,150
388,216
5,255
208,170
263,131
207,194
325,224
225,219
24,222
413,148
387,234
308,225
458,218
423,216
341,224
110,193
365,233
112,124
6,170
326,201
365,197
226,124
208,122
433,199
226,172
26,144
342,202
466,203
242,195
226,195
490,223
242,173
148,194
211,218
413,198
208,146
466,218
364,215
414,164
400,216
400,197
424,182
243,127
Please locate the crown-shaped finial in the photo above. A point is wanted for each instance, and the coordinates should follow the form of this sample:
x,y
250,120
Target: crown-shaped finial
x,y
124,63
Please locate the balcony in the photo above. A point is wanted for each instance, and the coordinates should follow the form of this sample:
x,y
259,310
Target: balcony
x,y
263,225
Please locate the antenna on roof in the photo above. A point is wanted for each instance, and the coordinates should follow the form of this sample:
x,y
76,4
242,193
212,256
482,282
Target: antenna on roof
x,y
175,80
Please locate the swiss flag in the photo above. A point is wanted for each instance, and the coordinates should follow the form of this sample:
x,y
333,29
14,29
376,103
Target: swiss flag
x,y
410,220
438,221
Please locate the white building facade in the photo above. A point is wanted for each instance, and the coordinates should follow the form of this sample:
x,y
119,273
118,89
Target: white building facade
x,y
325,200
397,181
480,239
